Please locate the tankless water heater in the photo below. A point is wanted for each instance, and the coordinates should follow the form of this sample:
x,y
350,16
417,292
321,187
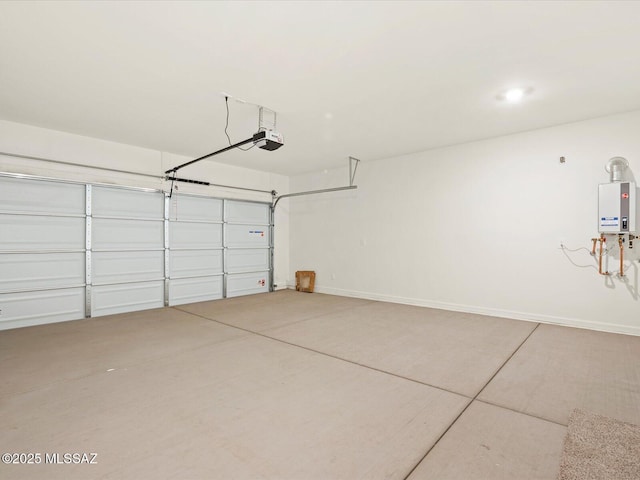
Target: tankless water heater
x,y
617,207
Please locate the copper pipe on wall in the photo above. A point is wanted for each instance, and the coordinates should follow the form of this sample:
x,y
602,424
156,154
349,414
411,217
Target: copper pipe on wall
x,y
621,256
602,240
593,250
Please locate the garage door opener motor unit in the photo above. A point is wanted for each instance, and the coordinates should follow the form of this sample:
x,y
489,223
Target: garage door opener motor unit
x,y
265,138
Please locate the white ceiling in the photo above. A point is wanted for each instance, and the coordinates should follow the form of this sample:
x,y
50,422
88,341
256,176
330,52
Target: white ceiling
x,y
363,79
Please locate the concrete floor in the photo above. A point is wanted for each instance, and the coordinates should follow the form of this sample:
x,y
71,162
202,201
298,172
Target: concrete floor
x,y
305,386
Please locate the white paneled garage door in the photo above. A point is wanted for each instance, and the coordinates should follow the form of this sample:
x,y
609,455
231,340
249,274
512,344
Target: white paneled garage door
x,y
195,249
42,252
70,250
127,249
247,241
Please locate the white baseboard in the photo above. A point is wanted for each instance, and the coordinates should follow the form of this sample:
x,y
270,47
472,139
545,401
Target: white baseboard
x,y
494,312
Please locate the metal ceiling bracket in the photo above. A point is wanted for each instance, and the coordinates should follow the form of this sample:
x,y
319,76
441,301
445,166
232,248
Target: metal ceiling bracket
x,y
267,119
352,174
353,166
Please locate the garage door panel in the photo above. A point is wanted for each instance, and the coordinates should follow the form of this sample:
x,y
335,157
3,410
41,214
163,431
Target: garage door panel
x,y
191,290
128,297
35,232
246,212
192,263
39,271
36,196
117,234
195,235
247,236
120,202
119,267
247,284
34,308
128,250
186,208
247,260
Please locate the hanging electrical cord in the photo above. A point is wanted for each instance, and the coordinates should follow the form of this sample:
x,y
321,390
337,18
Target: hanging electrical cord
x,y
601,252
565,249
606,251
226,126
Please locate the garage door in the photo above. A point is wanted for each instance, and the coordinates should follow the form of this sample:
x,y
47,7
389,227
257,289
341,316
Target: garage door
x,y
247,242
195,248
127,250
42,252
70,250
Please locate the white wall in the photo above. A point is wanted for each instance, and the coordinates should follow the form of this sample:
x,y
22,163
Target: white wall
x,y
49,144
476,227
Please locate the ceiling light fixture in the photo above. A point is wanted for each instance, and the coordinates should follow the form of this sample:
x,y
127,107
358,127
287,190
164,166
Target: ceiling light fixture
x,y
514,95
